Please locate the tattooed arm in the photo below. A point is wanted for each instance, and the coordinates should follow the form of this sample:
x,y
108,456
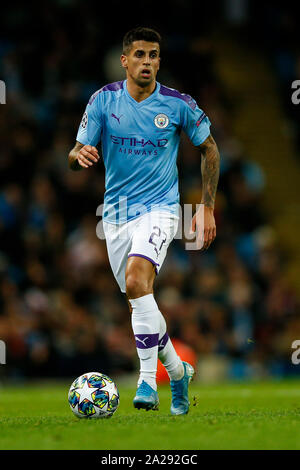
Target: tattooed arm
x,y
210,169
204,220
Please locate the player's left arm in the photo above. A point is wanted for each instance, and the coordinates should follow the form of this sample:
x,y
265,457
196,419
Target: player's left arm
x,y
204,220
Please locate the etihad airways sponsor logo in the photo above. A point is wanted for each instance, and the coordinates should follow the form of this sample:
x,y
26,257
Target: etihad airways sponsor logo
x,y
137,142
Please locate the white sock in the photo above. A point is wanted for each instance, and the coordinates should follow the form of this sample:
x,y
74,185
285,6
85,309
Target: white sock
x,y
167,354
145,322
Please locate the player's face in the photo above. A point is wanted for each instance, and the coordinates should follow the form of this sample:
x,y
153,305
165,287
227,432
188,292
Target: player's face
x,y
142,62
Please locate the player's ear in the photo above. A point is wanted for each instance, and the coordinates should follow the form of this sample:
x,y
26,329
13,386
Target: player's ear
x,y
123,59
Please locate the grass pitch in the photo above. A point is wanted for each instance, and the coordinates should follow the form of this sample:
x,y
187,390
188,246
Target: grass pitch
x,y
225,416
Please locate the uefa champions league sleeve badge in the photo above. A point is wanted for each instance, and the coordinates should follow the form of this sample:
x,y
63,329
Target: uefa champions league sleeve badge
x,y
84,120
161,121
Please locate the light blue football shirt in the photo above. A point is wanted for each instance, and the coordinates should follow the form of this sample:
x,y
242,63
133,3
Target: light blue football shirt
x,y
140,145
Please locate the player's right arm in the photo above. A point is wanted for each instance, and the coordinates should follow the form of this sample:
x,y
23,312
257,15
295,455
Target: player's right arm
x,y
197,126
82,156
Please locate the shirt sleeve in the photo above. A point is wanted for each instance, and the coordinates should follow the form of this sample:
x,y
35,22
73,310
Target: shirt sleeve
x,y
90,128
195,123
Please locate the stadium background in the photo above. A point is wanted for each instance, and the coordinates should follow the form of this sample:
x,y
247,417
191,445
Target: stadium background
x,y
236,305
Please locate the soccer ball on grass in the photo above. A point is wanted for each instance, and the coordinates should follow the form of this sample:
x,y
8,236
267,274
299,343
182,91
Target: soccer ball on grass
x,y
93,395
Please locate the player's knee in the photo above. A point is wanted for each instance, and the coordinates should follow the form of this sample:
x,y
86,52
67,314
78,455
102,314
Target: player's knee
x,y
137,286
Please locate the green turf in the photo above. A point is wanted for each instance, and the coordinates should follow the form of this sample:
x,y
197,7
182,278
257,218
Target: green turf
x,y
225,416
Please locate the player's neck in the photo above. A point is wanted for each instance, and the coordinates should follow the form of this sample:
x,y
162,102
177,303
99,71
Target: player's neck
x,y
140,93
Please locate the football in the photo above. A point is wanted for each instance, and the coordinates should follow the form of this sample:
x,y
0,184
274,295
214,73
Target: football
x,y
93,395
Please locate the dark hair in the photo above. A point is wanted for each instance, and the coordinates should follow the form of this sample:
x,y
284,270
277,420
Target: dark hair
x,y
140,34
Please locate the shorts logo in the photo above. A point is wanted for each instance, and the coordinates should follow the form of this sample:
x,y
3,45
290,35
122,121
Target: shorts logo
x,y
161,121
84,120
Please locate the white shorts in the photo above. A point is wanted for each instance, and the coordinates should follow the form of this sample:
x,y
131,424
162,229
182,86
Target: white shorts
x,y
147,236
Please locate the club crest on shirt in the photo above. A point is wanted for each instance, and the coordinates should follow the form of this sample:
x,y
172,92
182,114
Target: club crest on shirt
x,y
161,121
84,120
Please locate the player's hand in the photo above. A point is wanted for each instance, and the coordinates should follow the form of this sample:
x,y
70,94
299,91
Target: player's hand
x,y
203,223
87,156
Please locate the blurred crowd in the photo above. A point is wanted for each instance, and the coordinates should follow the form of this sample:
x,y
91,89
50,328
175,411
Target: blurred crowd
x,y
61,312
276,28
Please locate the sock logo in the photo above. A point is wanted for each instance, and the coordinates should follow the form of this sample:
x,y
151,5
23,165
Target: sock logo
x,y
141,340
146,341
163,341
